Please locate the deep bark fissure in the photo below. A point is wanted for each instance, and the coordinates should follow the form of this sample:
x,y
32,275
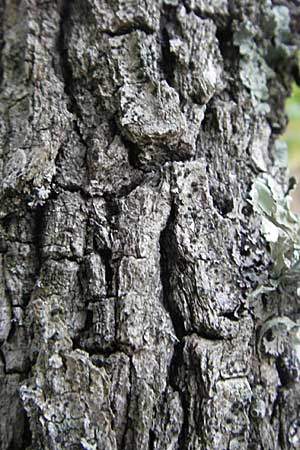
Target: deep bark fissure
x,y
133,153
39,224
2,360
177,365
167,62
151,439
27,433
106,256
125,30
228,50
67,73
296,74
167,258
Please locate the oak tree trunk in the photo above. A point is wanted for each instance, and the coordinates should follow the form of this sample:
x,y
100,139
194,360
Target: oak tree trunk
x,y
131,133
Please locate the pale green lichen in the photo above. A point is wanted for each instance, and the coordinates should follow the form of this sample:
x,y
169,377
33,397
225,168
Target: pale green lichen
x,y
285,330
281,154
281,229
279,17
261,46
254,71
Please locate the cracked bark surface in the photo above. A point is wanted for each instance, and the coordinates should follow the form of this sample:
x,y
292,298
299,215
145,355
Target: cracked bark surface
x,y
131,133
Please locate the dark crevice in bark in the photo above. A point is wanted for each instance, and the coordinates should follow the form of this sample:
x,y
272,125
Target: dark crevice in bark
x,y
222,202
168,258
126,190
229,52
133,152
167,62
176,372
71,188
24,433
113,128
231,315
2,359
296,73
88,325
95,351
151,439
176,369
285,375
53,195
7,220
209,123
96,354
106,257
112,208
65,65
27,434
39,225
127,29
118,295
212,335
3,244
60,257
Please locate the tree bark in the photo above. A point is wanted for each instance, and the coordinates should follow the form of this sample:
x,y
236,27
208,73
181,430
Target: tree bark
x,y
131,134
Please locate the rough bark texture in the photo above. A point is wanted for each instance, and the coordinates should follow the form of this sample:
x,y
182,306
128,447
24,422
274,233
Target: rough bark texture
x,y
131,133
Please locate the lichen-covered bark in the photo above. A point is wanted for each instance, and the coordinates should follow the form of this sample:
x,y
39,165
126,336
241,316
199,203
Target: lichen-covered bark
x,y
131,133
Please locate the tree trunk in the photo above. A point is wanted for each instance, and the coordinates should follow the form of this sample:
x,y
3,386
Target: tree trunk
x,y
131,134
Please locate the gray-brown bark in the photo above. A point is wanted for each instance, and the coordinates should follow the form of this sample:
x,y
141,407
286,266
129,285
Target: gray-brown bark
x,y
131,133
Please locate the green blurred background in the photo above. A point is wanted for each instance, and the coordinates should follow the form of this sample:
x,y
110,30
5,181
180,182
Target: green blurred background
x,y
292,138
